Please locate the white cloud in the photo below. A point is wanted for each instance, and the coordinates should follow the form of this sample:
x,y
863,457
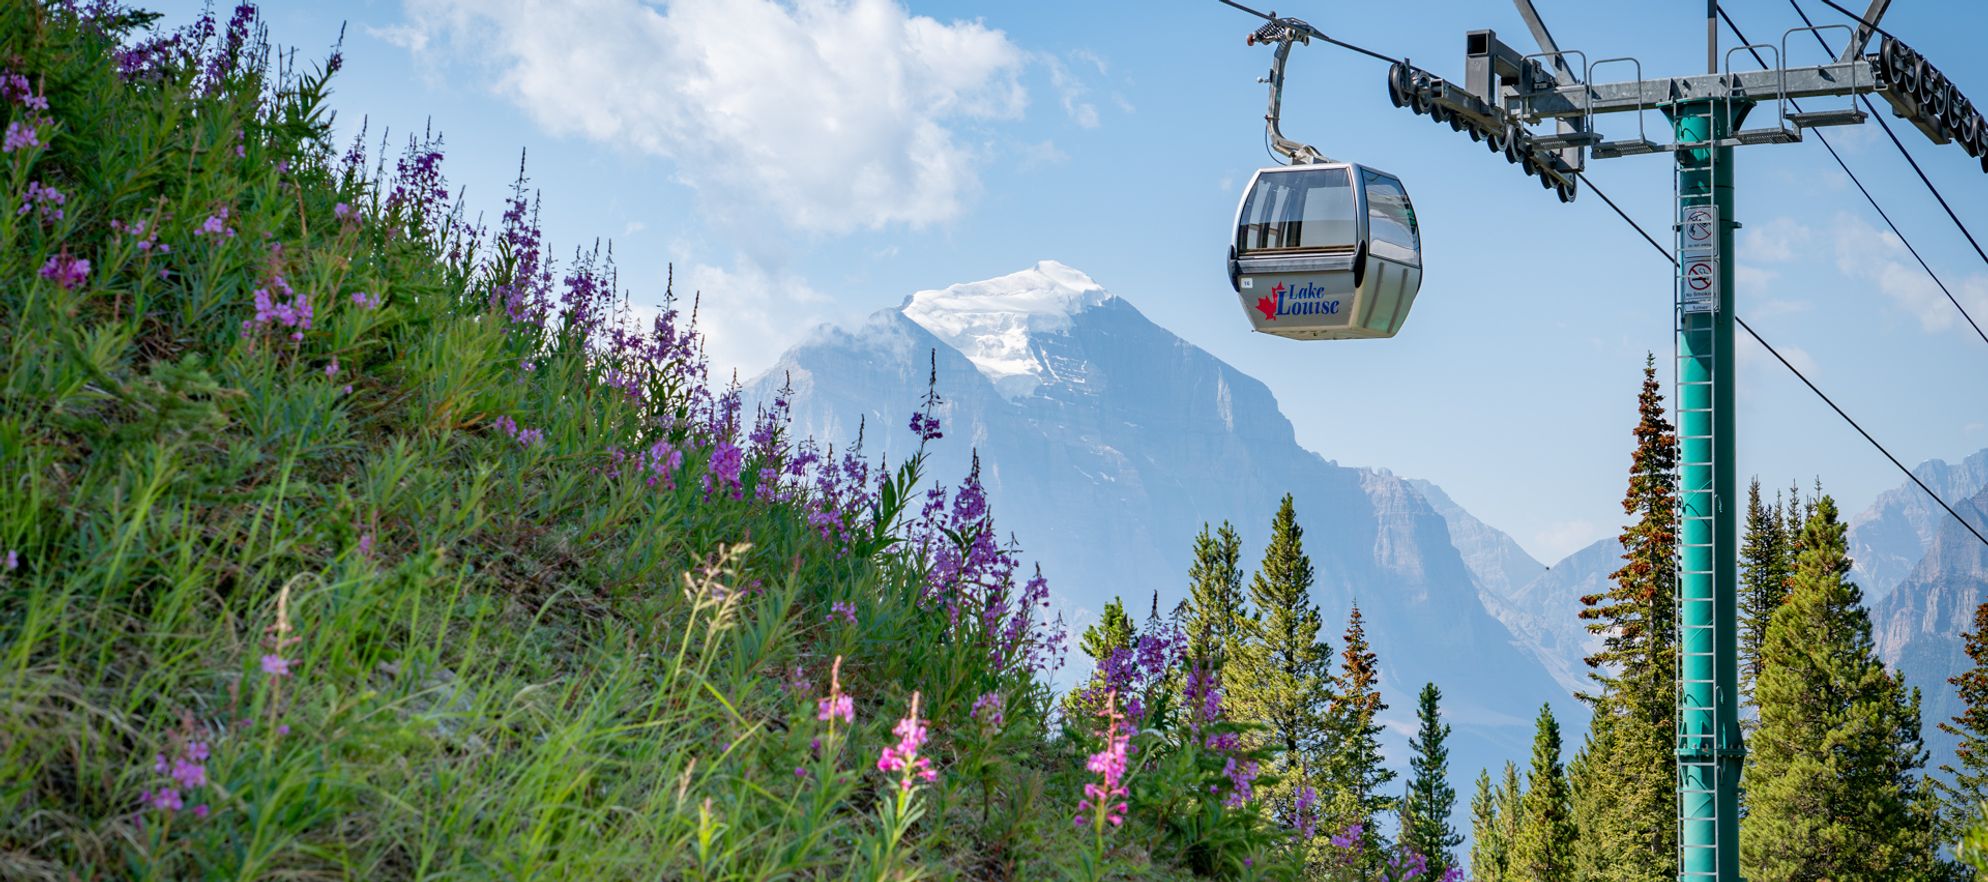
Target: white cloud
x,y
1879,257
1071,89
830,115
749,315
1751,353
1780,239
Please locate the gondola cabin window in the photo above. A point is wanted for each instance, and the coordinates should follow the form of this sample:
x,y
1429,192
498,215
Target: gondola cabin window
x,y
1391,218
1300,211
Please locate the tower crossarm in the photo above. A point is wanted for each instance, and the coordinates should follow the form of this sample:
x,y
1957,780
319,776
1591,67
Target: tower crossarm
x,y
1836,78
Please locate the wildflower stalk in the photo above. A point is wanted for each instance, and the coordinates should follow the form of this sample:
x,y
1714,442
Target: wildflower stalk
x,y
902,810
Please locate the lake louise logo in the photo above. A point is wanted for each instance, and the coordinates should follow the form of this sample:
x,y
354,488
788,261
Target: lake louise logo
x,y
1306,300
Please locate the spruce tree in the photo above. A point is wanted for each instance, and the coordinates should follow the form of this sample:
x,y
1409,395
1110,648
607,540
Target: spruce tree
x,y
1763,581
1511,801
1543,849
1833,770
1356,776
1281,677
1487,832
1112,631
1426,807
1214,597
1622,780
1965,786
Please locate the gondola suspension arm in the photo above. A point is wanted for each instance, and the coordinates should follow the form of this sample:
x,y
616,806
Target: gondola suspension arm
x,y
1285,33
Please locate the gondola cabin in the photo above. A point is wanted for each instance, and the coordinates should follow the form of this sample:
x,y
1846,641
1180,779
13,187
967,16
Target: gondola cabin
x,y
1326,251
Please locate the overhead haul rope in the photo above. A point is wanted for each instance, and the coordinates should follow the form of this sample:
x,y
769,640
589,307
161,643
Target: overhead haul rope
x,y
1866,191
1797,372
1891,134
1742,322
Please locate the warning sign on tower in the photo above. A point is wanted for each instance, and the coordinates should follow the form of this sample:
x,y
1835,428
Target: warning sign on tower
x,y
1698,259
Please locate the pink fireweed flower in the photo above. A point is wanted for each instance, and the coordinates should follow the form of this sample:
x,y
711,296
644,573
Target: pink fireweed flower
x,y
275,665
1104,799
331,370
69,272
836,705
12,561
903,757
346,214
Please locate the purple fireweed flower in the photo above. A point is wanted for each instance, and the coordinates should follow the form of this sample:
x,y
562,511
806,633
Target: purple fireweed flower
x,y
12,561
662,461
165,799
926,427
1304,819
903,757
279,305
364,300
987,709
69,272
1408,865
216,225
1104,799
843,610
45,202
20,136
1348,837
726,460
345,214
275,665
331,370
141,230
1242,782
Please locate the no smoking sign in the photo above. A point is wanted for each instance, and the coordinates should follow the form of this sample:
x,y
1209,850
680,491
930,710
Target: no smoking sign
x,y
1698,259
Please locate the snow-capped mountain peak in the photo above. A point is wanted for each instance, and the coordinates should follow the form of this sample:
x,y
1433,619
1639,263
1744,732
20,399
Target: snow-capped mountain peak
x,y
992,322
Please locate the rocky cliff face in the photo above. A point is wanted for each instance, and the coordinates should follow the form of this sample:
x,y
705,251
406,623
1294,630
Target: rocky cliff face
x,y
1918,625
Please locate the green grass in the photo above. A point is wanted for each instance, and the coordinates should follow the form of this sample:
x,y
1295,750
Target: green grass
x,y
505,660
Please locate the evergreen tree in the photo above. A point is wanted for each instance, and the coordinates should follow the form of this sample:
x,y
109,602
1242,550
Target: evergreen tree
x,y
1832,775
1487,832
1634,614
1215,609
1763,580
1281,677
1356,776
1426,807
1511,801
1965,787
1112,631
1621,782
1543,849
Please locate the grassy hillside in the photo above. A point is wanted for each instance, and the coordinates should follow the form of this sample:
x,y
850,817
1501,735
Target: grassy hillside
x,y
343,538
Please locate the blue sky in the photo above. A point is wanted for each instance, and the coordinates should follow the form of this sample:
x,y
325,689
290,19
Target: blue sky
x,y
805,161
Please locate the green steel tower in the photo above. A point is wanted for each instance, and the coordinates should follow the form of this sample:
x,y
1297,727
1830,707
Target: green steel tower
x,y
1504,94
1709,750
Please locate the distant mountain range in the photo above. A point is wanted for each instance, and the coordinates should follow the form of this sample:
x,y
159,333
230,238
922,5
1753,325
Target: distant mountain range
x,y
1107,441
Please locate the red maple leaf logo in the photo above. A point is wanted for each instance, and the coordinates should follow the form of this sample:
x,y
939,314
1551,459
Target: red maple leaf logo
x,y
1268,307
